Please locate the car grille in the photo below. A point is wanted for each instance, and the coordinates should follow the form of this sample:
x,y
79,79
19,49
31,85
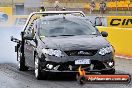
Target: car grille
x,y
81,52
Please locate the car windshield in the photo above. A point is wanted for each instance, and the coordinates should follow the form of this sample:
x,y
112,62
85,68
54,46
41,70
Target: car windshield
x,y
66,26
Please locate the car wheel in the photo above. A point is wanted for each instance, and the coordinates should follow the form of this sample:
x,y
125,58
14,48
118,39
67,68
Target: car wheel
x,y
21,62
108,72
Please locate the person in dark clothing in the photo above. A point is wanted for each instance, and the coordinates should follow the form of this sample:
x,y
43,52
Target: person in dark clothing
x,y
102,7
42,8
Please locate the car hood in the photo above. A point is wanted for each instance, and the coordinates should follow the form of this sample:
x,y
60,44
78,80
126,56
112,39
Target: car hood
x,y
75,42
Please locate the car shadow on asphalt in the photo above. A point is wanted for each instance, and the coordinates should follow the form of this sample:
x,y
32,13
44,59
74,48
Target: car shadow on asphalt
x,y
55,76
62,77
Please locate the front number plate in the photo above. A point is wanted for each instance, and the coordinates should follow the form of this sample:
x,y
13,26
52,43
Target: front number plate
x,y
83,61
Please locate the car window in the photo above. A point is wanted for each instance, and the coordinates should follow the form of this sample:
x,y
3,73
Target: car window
x,y
29,30
66,26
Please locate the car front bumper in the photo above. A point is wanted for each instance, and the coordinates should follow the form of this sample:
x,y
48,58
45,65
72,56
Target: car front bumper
x,y
70,67
90,71
67,63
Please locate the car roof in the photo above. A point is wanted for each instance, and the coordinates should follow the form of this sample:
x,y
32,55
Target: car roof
x,y
59,16
68,16
37,15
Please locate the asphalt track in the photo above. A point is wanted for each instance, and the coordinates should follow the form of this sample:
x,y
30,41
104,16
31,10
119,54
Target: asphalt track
x,y
11,77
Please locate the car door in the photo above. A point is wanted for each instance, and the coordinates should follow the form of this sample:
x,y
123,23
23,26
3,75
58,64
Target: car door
x,y
29,49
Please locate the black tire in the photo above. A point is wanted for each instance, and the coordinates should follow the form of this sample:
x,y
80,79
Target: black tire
x,y
21,62
108,72
39,75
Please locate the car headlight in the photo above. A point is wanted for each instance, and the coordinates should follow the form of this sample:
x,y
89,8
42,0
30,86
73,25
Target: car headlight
x,y
105,50
52,52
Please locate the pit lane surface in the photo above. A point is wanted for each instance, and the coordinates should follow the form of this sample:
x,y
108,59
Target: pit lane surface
x,y
11,77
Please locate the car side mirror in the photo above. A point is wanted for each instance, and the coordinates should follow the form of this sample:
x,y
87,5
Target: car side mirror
x,y
28,37
104,34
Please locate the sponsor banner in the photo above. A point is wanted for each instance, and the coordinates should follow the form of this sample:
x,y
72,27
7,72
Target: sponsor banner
x,y
5,15
120,21
120,38
19,20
